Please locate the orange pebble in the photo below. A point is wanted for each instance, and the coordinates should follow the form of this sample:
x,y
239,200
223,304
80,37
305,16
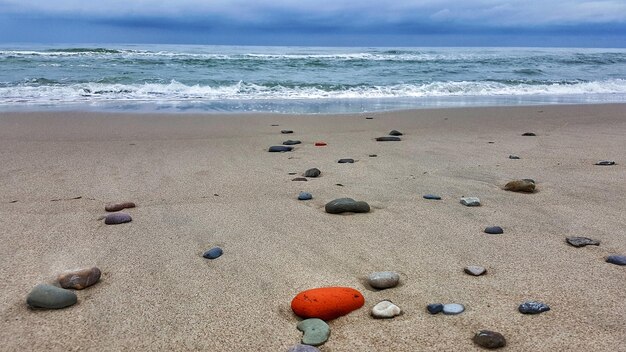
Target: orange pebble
x,y
327,303
320,144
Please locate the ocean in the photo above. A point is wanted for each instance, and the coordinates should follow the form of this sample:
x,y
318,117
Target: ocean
x,y
190,78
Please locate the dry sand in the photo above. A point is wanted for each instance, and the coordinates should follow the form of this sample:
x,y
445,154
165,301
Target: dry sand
x,y
205,180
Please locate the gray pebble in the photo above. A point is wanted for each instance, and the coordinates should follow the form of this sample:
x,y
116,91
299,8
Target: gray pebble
x,y
383,279
279,149
290,142
343,205
533,307
117,218
616,259
605,163
470,201
453,308
314,172
346,161
305,196
581,241
494,230
474,270
395,133
388,139
50,297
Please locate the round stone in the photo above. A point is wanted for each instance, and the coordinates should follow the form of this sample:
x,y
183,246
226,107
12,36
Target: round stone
x,y
525,186
213,253
533,307
581,241
344,205
474,270
453,308
434,308
432,197
314,172
395,133
79,279
385,310
303,348
305,196
489,339
616,259
494,230
290,142
383,279
315,331
50,297
470,201
119,206
117,218
279,149
327,303
346,161
388,139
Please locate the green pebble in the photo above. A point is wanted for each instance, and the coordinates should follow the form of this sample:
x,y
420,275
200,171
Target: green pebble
x,y
316,331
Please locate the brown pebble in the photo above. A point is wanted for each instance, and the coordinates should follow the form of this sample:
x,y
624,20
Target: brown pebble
x,y
79,279
299,179
526,186
119,206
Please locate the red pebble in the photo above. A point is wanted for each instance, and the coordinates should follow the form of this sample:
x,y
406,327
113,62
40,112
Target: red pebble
x,y
327,303
320,144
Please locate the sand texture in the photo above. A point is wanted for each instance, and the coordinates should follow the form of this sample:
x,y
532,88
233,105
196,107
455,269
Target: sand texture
x,y
207,180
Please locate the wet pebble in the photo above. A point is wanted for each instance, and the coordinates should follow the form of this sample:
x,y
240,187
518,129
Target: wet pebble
x,y
305,196
79,279
533,307
494,230
213,253
581,241
616,259
117,218
383,279
279,149
385,310
489,339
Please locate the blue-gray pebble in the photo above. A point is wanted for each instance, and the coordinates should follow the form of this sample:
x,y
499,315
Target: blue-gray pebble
x,y
616,259
305,196
280,148
434,308
117,218
494,230
213,253
50,297
432,196
533,307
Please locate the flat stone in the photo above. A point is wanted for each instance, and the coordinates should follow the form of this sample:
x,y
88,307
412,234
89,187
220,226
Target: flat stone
x,y
299,179
213,253
528,134
373,155
79,279
345,205
320,144
474,270
395,133
279,149
494,230
385,310
489,339
117,218
305,196
605,163
286,131
315,331
526,186
314,172
470,201
346,161
616,259
383,279
388,139
533,307
581,241
119,206
327,303
432,196
434,308
50,297
514,157
303,348
453,308
369,118
290,142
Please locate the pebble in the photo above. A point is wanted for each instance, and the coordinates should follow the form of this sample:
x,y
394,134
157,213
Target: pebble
x,y
470,201
453,308
286,131
79,279
395,133
616,259
385,310
388,139
533,307
327,303
581,241
434,308
291,142
474,270
344,205
489,339
529,134
119,206
50,297
605,163
213,253
383,279
303,348
315,331
320,144
514,157
117,218
494,230
432,196
369,118
299,179
526,185
314,172
305,196
346,161
279,149
373,155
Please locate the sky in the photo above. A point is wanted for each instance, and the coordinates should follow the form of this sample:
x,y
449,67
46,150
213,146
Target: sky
x,y
560,23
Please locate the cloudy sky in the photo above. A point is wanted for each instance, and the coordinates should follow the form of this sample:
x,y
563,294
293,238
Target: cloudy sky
x,y
321,22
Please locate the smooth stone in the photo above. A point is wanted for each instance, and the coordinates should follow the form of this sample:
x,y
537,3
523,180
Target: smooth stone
x,y
383,279
50,297
526,186
432,196
453,308
528,134
474,270
369,118
494,230
117,218
290,142
581,241
119,206
299,179
286,131
305,196
514,157
470,201
303,348
344,205
346,161
213,253
79,279
373,155
616,259
315,331
388,139
327,303
395,133
533,307
314,172
320,144
605,163
279,149
434,308
489,339
385,310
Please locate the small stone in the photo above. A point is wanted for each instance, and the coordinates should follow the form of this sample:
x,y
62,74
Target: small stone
x,y
290,142
526,186
299,179
453,308
383,279
388,139
385,310
605,163
470,201
286,131
117,218
494,230
305,196
274,125
50,297
373,155
533,307
489,339
434,308
346,161
581,241
79,279
529,134
213,253
303,348
432,197
474,270
320,144
314,172
395,133
119,206
315,330
343,205
279,149
369,118
616,259
514,157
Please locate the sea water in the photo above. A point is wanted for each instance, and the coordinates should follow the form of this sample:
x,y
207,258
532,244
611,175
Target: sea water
x,y
302,79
